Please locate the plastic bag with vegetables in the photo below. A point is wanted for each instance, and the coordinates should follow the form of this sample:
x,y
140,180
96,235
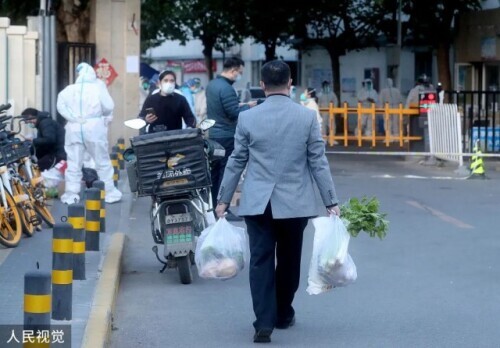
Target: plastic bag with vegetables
x,y
221,251
331,265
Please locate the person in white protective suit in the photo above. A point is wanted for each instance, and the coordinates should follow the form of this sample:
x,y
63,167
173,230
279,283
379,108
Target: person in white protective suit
x,y
391,96
367,96
87,108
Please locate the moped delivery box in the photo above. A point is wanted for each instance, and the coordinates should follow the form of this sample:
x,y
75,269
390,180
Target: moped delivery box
x,y
170,162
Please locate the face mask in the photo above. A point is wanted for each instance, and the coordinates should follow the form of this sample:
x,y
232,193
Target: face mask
x,y
303,97
145,86
31,125
238,77
368,86
194,91
167,87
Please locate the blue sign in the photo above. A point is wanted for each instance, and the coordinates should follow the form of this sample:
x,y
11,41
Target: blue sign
x,y
486,135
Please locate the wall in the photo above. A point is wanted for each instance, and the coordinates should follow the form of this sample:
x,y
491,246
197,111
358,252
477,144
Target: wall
x,y
118,42
18,62
478,37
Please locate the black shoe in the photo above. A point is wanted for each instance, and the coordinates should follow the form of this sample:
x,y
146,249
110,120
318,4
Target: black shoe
x,y
231,217
282,325
262,336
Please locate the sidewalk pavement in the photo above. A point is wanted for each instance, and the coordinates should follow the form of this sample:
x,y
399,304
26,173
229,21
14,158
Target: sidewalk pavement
x,y
102,273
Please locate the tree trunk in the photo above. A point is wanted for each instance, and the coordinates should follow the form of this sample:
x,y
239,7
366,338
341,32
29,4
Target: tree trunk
x,y
270,50
207,53
443,62
335,63
73,22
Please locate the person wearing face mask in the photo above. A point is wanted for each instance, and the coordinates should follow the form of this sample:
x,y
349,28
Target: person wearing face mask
x,y
367,96
87,107
309,100
49,142
223,107
391,95
166,109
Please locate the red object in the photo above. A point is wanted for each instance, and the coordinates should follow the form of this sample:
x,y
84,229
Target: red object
x,y
105,71
61,166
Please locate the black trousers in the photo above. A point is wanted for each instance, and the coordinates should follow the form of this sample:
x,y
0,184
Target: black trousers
x,y
218,167
275,253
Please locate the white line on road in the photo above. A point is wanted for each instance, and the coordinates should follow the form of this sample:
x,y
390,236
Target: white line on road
x,y
440,215
3,254
388,176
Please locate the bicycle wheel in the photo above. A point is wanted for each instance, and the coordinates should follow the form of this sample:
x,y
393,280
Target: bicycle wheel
x,y
44,212
26,210
38,192
10,223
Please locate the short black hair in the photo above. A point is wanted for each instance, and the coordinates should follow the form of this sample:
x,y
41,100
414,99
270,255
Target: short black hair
x,y
233,62
165,73
29,112
275,73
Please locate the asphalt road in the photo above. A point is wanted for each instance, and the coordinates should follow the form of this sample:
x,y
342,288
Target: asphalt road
x,y
433,282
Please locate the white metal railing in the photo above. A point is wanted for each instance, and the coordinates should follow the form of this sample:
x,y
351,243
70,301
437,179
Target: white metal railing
x,y
445,133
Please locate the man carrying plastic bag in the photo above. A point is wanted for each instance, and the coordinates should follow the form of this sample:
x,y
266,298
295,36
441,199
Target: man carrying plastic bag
x,y
221,251
280,144
331,265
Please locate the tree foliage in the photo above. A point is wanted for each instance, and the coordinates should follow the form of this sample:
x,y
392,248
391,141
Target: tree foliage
x,y
213,22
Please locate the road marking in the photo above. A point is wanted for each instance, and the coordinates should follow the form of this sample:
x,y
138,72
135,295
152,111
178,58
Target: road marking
x,y
440,215
3,254
388,176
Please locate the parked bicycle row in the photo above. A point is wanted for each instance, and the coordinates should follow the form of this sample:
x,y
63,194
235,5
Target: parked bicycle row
x,y
23,202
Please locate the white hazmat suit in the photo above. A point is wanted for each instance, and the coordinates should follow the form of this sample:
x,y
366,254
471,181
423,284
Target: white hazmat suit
x,y
392,96
87,108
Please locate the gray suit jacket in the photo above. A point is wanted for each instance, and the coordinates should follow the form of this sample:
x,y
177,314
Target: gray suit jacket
x,y
281,142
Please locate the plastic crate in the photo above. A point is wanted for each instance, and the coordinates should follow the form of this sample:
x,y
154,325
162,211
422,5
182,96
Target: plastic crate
x,y
170,162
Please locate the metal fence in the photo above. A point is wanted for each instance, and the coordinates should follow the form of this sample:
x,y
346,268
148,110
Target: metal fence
x,y
481,117
445,133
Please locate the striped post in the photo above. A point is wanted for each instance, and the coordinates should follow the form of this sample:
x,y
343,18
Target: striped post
x,y
76,217
100,185
92,218
62,271
119,152
37,301
116,171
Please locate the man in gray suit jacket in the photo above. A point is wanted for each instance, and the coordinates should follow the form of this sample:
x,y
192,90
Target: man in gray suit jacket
x,y
280,141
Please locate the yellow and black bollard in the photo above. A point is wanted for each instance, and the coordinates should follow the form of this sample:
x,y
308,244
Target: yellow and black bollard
x,y
100,185
477,165
92,218
116,166
62,271
76,217
121,145
119,152
37,301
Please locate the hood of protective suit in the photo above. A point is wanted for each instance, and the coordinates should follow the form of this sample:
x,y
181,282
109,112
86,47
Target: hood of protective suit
x,y
85,73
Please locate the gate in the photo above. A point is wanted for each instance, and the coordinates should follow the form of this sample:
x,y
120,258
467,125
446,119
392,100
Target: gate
x,y
481,117
69,55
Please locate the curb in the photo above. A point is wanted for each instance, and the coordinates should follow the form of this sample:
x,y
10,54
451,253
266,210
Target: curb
x,y
98,329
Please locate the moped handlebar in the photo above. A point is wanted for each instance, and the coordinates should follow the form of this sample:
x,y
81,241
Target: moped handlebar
x,y
4,107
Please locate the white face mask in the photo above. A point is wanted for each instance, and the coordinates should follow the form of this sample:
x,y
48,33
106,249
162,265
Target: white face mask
x,y
238,77
167,87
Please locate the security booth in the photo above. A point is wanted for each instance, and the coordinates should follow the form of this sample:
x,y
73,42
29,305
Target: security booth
x,y
419,125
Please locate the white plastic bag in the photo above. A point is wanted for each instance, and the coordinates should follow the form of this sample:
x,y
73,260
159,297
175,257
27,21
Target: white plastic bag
x,y
331,265
221,251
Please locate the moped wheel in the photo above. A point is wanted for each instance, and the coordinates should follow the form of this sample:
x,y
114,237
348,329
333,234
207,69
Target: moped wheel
x,y
184,267
26,211
10,223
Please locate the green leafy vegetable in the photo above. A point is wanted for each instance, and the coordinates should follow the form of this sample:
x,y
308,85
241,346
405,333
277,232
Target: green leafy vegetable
x,y
363,215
